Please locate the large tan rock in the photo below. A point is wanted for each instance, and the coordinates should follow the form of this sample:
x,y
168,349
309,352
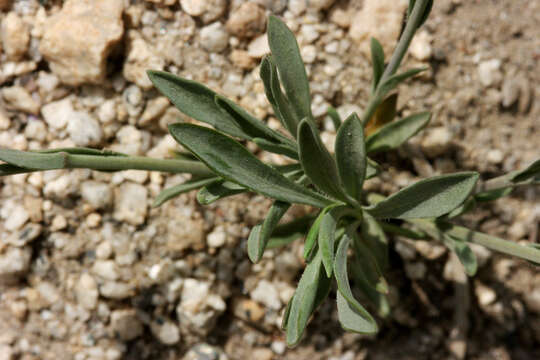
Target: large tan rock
x,y
380,19
247,21
78,39
15,36
141,56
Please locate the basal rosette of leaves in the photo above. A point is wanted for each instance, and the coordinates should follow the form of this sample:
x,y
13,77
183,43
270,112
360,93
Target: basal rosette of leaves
x,y
347,238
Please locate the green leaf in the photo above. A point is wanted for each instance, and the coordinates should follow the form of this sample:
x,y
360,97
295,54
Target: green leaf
x,y
314,233
195,100
334,116
468,205
280,104
317,162
369,264
464,253
174,191
437,229
291,68
34,160
260,234
352,315
227,158
377,61
372,169
528,173
351,155
396,133
250,125
8,169
428,198
394,80
327,234
276,148
493,194
379,300
312,289
375,239
217,190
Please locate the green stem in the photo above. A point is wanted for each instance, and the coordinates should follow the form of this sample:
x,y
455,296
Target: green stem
x,y
401,49
491,242
116,163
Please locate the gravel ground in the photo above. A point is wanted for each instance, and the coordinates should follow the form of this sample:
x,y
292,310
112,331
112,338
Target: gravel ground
x,y
88,270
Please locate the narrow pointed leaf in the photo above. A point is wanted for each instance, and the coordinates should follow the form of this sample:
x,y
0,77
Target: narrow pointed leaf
x,y
311,238
317,162
528,173
249,124
377,61
174,191
34,160
334,116
464,253
312,289
372,169
195,100
396,133
351,156
291,68
217,190
272,88
276,148
394,80
352,315
227,158
468,205
379,300
369,265
375,239
289,118
260,234
327,235
493,194
428,198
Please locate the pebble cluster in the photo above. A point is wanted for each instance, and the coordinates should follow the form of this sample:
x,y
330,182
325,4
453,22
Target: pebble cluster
x,y
88,270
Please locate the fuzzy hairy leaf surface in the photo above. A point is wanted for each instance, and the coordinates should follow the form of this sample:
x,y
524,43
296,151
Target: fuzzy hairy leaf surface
x,y
291,68
428,198
352,315
377,61
33,160
195,100
396,133
260,234
312,289
317,162
229,159
327,235
464,253
217,190
351,158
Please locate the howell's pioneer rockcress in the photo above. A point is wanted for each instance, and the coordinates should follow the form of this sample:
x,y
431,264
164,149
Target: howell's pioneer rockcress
x,y
348,217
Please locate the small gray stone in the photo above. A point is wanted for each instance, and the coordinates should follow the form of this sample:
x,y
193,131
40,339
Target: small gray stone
x,y
116,290
166,332
83,129
57,114
14,262
86,292
259,47
19,98
437,141
205,352
489,72
126,324
131,203
105,269
247,21
267,294
97,194
510,92
18,216
214,37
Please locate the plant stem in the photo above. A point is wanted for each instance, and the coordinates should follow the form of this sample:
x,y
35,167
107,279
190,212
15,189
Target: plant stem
x,y
116,163
399,52
488,241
